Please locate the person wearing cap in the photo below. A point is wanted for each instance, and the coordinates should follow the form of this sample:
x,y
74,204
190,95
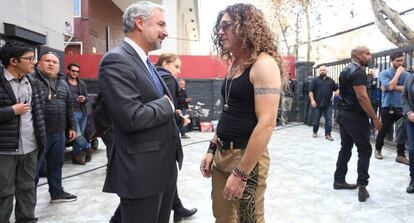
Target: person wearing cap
x,y
60,123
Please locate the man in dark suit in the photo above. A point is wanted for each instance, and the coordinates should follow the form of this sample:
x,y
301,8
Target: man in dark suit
x,y
142,168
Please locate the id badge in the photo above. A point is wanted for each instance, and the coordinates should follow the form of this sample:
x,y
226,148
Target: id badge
x,y
391,111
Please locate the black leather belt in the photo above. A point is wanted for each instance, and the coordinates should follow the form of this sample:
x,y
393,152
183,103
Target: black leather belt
x,y
236,144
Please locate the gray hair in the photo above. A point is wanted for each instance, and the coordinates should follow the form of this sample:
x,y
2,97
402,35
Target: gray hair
x,y
141,9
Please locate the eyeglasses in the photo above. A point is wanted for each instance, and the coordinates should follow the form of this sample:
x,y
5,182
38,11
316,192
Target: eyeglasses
x,y
225,25
75,71
31,59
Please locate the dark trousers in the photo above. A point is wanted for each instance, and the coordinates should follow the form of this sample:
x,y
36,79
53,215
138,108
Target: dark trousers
x,y
388,120
54,155
327,114
108,139
410,134
354,128
17,179
153,209
177,205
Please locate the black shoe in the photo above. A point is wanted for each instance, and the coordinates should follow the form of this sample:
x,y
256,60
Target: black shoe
x,y
185,136
347,186
410,188
88,156
63,197
183,213
363,194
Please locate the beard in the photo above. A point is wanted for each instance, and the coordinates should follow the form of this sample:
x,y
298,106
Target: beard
x,y
157,45
154,43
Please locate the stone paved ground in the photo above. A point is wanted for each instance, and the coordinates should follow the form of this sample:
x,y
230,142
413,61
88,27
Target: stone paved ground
x,y
299,185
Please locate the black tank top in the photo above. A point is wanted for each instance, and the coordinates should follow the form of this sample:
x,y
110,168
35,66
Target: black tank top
x,y
239,120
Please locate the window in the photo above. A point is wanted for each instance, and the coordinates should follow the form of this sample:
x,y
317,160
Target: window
x,y
76,8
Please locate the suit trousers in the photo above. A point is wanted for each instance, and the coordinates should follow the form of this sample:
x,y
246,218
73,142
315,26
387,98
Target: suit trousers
x,y
354,129
17,179
153,209
248,209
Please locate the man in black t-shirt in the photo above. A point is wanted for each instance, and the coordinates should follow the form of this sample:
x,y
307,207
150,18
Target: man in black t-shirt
x,y
320,95
354,110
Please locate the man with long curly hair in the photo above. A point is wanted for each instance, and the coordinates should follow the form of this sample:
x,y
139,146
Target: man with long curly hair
x,y
237,158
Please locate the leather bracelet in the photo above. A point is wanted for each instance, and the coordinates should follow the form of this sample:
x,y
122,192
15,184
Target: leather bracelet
x,y
240,174
212,147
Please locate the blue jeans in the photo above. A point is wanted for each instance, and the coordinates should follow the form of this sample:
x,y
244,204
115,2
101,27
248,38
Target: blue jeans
x,y
54,154
80,143
327,112
410,134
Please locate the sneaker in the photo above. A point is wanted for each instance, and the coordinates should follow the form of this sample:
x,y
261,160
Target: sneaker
x,y
315,135
329,137
63,197
402,159
378,155
185,137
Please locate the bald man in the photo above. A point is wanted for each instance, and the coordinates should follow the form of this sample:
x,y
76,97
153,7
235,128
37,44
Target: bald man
x,y
354,111
320,95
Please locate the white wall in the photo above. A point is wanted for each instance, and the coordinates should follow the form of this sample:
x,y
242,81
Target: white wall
x,y
42,16
170,43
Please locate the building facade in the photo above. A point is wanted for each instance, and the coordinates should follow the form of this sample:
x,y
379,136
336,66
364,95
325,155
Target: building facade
x,y
43,24
98,25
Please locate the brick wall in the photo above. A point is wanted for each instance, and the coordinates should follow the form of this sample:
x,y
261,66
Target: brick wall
x,y
103,13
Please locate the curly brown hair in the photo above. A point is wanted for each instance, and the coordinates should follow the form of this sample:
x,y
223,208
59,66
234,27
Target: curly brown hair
x,y
252,29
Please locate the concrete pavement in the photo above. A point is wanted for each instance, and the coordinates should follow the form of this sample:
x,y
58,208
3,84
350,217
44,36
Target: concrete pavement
x,y
299,185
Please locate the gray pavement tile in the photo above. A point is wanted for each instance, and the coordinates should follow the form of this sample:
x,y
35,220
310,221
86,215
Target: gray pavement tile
x,y
299,187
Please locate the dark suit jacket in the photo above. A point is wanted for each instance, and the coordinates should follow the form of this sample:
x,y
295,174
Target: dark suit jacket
x,y
146,140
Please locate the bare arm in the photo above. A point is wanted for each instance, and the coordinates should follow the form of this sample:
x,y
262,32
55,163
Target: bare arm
x,y
265,77
312,99
363,99
393,85
311,96
266,81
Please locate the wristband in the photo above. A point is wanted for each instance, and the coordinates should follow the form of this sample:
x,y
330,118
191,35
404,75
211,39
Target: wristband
x,y
212,147
240,174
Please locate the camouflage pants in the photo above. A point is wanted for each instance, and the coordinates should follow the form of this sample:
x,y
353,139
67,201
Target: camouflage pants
x,y
248,209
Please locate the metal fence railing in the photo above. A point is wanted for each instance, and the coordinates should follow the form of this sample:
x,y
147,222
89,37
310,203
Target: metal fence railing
x,y
380,61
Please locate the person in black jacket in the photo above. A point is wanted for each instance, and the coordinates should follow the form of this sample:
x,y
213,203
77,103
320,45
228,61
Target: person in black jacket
x,y
22,129
79,99
168,67
59,122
